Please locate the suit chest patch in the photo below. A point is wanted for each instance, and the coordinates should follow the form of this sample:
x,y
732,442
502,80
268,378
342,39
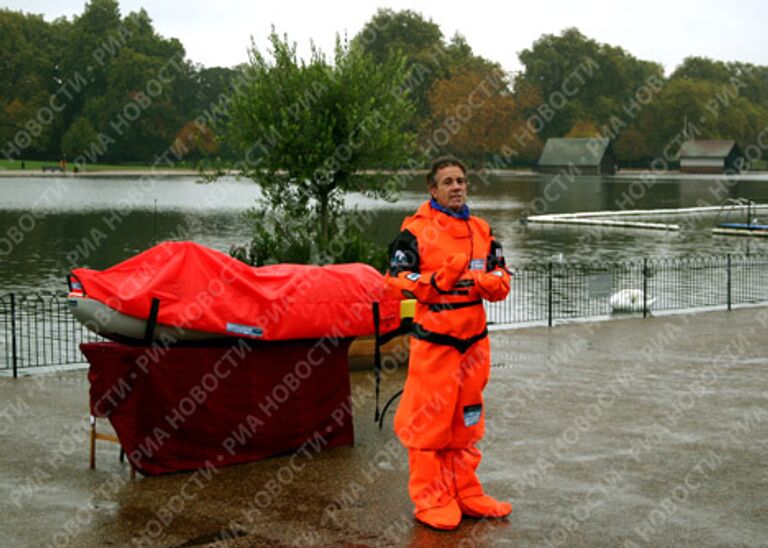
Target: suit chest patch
x,y
477,264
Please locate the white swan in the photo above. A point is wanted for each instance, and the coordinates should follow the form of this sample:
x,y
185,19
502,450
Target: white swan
x,y
629,300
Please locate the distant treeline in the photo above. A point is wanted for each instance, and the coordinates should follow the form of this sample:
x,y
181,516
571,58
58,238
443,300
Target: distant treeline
x,y
107,88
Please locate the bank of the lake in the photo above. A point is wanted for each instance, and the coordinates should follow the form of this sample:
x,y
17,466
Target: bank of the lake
x,y
49,225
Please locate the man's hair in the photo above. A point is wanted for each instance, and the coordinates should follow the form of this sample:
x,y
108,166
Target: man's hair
x,y
439,164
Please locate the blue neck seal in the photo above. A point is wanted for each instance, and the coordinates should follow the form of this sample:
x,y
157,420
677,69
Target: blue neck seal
x,y
462,213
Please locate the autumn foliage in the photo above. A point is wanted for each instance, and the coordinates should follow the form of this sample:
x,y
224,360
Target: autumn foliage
x,y
194,139
474,113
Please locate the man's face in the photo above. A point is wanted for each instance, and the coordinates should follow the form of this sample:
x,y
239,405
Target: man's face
x,y
451,188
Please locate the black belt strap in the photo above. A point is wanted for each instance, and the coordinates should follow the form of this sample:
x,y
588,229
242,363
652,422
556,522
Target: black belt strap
x,y
452,306
462,345
149,330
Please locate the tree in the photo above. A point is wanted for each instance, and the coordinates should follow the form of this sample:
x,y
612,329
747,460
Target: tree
x,y
78,139
597,79
421,43
583,128
306,130
632,148
95,67
29,73
474,114
702,68
194,140
703,110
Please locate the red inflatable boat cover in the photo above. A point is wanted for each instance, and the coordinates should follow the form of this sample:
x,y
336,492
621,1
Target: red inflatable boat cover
x,y
203,289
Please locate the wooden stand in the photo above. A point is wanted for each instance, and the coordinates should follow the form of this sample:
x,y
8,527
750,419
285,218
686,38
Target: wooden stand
x,y
105,437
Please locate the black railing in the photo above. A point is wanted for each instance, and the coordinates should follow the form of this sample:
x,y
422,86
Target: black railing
x,y
38,329
546,293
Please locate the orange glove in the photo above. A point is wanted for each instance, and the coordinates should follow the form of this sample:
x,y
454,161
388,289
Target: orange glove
x,y
428,287
493,285
453,267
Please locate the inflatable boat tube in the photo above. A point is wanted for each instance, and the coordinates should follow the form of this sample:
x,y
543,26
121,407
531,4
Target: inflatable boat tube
x,y
111,324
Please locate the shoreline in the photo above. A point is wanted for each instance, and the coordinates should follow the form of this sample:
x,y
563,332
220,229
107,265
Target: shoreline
x,y
28,173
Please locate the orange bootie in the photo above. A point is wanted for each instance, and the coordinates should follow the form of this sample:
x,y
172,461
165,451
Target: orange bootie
x,y
461,464
484,506
435,505
445,518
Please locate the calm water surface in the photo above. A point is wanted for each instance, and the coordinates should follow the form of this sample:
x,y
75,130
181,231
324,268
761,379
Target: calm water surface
x,y
50,225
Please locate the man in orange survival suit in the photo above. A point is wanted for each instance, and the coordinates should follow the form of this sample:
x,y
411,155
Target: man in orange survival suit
x,y
447,260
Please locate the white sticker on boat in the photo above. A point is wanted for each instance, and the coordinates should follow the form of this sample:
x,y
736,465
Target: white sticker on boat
x,y
240,329
477,264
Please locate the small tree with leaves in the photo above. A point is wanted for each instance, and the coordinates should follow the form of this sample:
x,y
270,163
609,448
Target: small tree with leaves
x,y
308,133
78,139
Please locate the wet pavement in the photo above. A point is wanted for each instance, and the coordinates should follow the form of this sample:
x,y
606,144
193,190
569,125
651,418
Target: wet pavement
x,y
623,433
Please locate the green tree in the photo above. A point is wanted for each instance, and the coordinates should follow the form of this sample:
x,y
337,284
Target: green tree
x,y
752,82
428,57
606,77
419,41
308,129
29,74
709,110
78,139
702,68
632,148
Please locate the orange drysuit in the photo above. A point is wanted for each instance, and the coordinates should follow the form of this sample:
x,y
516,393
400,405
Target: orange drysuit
x,y
449,264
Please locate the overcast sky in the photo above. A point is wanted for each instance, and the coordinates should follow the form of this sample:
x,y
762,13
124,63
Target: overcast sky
x,y
218,33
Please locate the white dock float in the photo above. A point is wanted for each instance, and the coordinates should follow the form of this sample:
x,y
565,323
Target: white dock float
x,y
609,218
555,220
740,232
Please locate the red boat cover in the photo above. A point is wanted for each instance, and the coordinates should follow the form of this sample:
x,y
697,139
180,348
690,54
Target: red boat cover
x,y
203,289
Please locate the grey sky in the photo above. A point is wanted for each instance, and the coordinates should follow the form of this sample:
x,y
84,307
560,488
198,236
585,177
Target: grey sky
x,y
218,33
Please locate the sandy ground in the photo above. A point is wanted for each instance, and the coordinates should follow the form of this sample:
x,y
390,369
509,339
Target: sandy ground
x,y
624,433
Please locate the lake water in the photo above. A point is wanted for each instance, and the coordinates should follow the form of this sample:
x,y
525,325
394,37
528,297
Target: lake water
x,y
51,225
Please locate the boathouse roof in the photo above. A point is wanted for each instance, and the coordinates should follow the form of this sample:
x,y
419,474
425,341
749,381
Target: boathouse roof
x,y
704,148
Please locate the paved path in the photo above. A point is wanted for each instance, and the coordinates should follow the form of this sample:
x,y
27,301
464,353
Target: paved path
x,y
624,433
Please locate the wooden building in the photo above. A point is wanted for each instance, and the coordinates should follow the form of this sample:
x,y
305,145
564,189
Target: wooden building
x,y
710,156
588,156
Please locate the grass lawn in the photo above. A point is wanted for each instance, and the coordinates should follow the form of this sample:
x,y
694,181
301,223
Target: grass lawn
x,y
37,165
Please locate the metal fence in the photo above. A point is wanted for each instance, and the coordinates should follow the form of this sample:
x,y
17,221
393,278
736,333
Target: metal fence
x,y
565,291
38,329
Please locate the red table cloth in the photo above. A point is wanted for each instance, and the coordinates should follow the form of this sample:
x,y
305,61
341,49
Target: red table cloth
x,y
188,407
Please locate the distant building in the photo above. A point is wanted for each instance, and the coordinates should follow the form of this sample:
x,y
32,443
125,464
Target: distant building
x,y
590,156
705,156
